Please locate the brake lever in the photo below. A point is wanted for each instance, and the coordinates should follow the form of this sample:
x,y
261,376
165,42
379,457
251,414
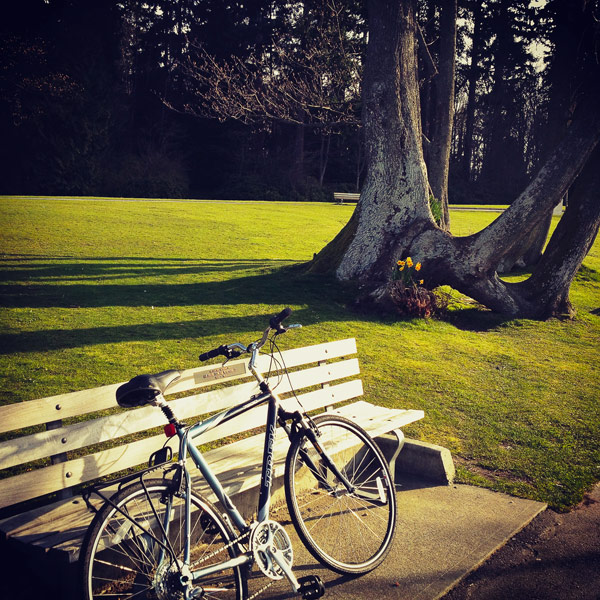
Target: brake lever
x,y
284,329
231,354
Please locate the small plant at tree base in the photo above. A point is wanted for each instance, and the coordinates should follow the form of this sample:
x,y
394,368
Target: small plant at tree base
x,y
408,295
407,271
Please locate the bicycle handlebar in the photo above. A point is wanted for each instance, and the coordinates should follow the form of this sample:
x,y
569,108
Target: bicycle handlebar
x,y
235,350
212,353
275,322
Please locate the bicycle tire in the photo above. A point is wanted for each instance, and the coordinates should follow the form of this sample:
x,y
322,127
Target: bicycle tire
x,y
119,556
351,533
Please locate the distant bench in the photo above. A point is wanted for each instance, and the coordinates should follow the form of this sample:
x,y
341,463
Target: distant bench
x,y
72,449
339,197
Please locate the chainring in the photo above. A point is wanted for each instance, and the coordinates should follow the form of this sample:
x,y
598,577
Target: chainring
x,y
269,538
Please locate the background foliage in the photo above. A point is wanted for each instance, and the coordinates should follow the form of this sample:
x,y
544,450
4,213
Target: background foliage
x,y
85,90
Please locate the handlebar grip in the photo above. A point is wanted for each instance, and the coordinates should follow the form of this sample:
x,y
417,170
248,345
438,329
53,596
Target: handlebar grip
x,y
212,353
275,322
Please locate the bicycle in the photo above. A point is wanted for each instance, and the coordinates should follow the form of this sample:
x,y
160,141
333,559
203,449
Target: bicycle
x,y
156,538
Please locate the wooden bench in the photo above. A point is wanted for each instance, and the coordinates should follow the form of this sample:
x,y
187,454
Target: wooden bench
x,y
339,197
324,372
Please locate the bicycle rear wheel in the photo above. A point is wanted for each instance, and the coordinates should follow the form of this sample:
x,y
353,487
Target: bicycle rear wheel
x,y
125,552
348,531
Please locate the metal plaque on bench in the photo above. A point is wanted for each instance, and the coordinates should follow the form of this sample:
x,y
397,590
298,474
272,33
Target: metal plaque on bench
x,y
219,373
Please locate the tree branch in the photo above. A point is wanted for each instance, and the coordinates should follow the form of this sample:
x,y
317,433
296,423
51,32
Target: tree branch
x,y
543,193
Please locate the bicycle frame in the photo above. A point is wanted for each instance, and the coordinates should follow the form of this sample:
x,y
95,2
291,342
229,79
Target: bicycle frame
x,y
172,539
275,415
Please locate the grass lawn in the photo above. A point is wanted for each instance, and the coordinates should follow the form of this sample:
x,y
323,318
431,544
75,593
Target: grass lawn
x,y
96,291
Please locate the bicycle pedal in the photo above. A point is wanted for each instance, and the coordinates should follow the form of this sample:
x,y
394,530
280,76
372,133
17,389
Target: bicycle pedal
x,y
311,586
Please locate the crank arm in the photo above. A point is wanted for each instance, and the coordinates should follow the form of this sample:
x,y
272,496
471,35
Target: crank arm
x,y
277,557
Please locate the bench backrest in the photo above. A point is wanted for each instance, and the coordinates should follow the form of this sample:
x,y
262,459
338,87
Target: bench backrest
x,y
103,445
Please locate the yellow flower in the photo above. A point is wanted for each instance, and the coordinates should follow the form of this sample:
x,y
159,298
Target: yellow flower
x,y
401,268
418,267
409,262
401,263
420,282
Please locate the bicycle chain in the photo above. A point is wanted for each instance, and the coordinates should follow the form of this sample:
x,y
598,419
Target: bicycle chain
x,y
263,589
226,547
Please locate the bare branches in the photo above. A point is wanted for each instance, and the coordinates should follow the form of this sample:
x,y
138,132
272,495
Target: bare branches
x,y
317,86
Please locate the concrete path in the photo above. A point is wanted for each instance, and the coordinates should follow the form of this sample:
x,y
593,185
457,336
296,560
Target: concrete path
x,y
557,556
443,533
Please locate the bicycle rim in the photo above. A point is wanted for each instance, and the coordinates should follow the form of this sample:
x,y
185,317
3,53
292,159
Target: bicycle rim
x,y
350,532
126,557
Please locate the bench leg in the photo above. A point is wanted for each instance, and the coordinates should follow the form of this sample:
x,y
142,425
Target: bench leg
x,y
392,460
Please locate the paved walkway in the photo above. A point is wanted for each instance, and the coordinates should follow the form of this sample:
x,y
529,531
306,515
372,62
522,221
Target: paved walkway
x,y
443,533
557,556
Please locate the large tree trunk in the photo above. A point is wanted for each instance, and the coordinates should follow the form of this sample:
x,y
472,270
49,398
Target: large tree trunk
x,y
470,264
551,280
439,154
573,39
393,207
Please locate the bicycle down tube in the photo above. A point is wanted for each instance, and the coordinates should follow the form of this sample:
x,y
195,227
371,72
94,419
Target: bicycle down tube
x,y
187,446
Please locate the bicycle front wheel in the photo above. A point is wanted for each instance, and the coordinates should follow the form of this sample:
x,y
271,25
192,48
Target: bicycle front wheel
x,y
135,549
347,522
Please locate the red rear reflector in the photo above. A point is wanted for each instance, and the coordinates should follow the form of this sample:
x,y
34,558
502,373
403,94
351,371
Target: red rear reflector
x,y
170,430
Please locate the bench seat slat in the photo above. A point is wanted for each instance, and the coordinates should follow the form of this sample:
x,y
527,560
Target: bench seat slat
x,y
378,420
44,410
64,439
237,465
36,412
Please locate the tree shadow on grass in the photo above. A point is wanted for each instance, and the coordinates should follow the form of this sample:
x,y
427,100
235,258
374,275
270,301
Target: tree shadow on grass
x,y
84,285
74,283
277,285
94,270
476,319
587,274
53,339
273,288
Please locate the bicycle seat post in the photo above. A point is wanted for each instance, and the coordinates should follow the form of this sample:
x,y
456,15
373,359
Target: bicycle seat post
x,y
160,401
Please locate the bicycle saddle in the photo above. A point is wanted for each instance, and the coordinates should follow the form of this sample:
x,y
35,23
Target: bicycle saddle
x,y
144,388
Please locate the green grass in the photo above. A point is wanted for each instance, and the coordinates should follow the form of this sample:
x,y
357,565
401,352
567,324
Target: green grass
x,y
94,292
